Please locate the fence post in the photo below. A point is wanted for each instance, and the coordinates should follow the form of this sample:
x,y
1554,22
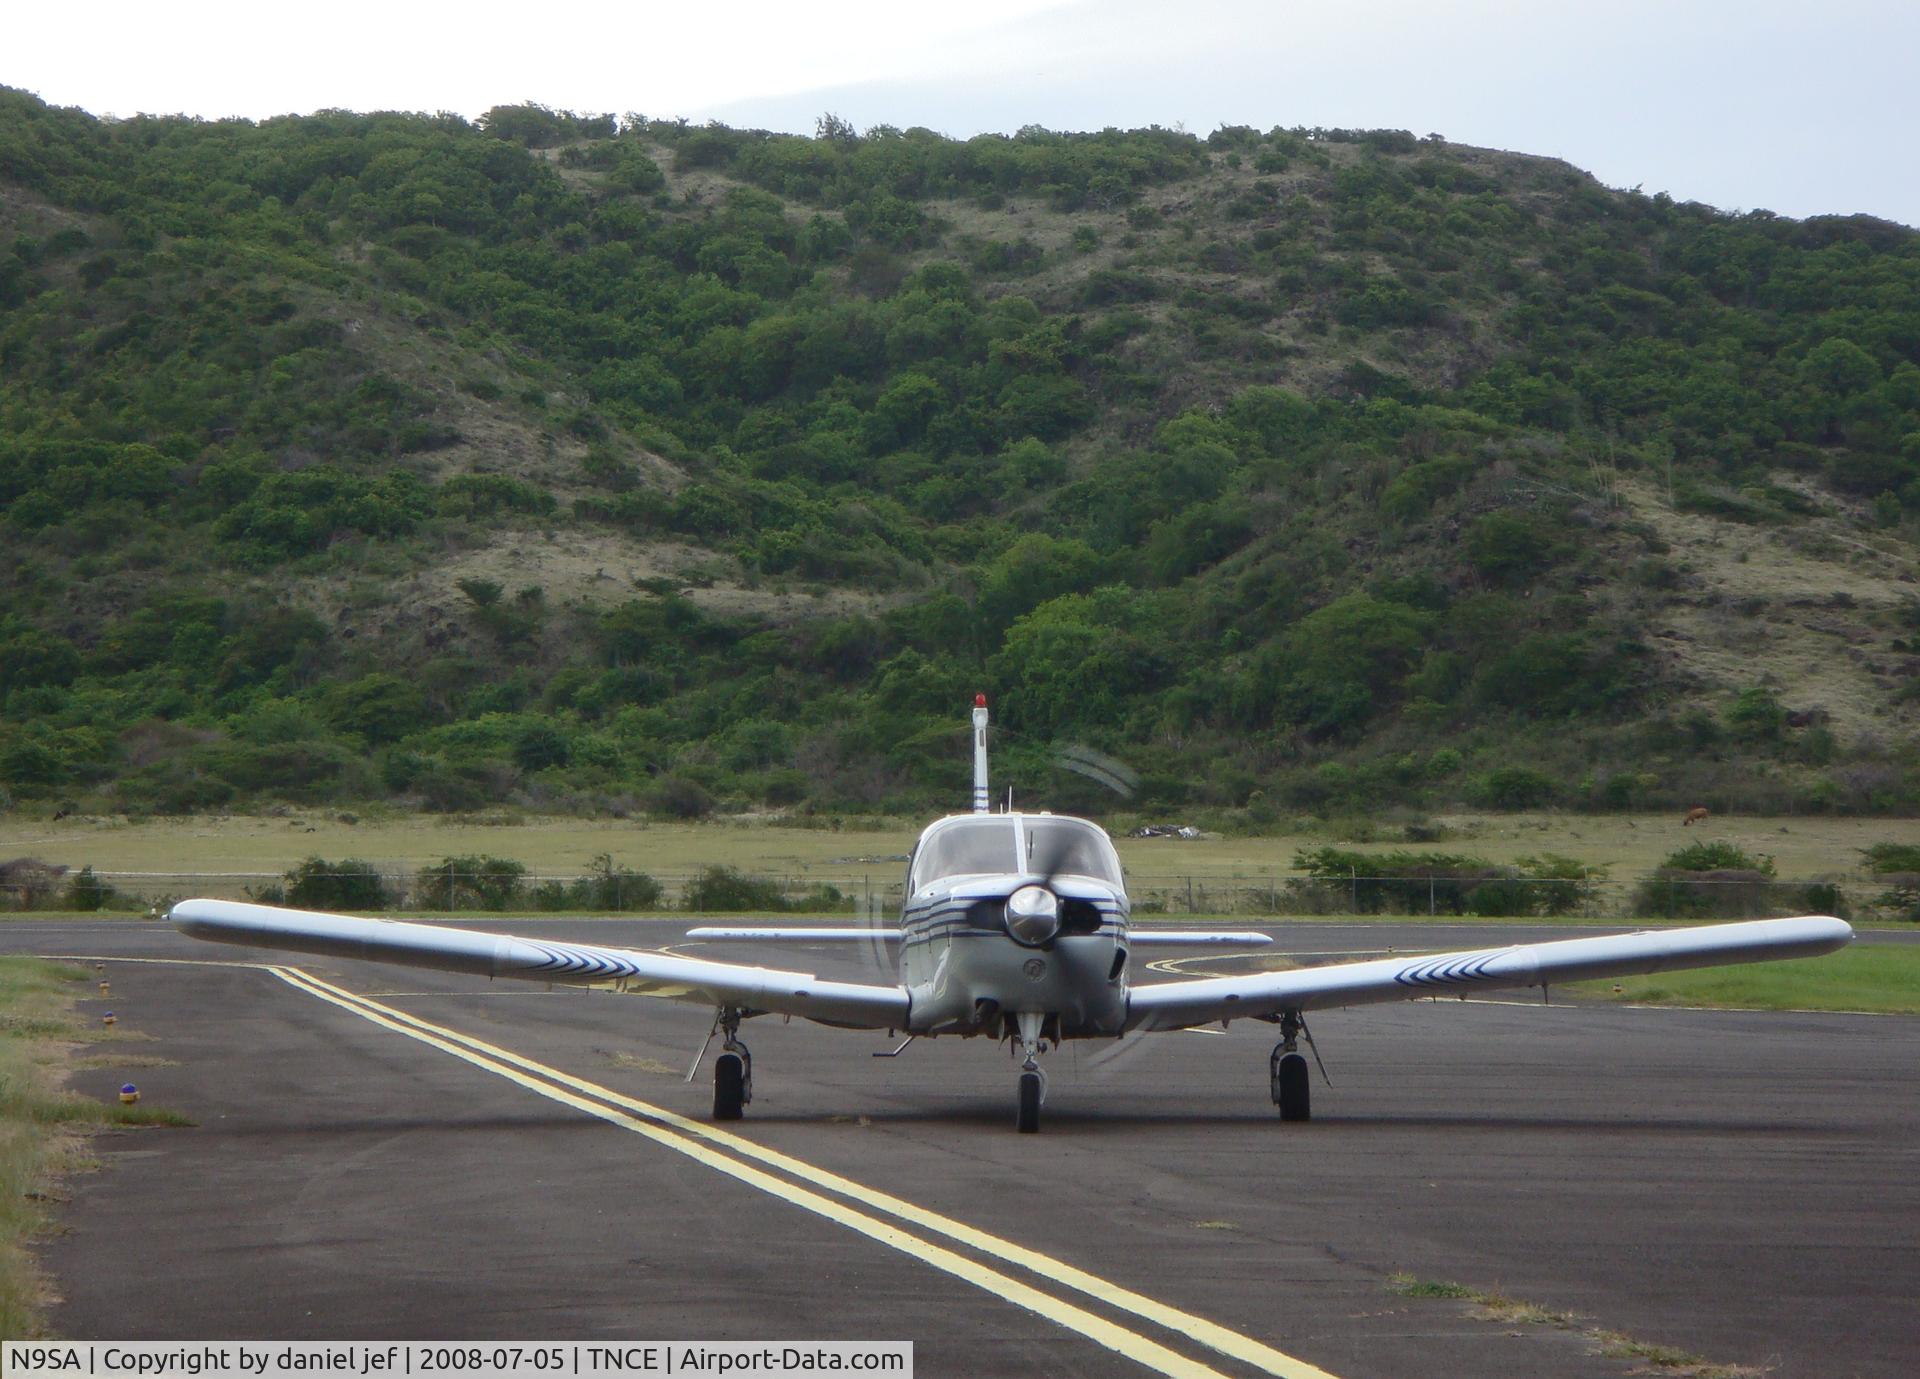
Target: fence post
x,y
1429,895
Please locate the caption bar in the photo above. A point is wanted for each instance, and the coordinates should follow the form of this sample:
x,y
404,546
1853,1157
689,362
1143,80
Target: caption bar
x,y
466,1359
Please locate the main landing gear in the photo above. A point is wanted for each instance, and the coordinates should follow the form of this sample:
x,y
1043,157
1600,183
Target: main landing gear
x,y
1033,1082
1287,1070
732,1071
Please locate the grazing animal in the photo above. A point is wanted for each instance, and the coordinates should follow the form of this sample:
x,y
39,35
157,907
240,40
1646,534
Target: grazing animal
x,y
1696,815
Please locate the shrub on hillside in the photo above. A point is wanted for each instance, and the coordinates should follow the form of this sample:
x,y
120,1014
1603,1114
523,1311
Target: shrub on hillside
x,y
1756,716
680,798
1514,787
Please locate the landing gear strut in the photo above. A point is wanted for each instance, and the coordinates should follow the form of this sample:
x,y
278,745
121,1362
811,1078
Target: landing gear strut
x,y
1033,1082
1287,1070
732,1071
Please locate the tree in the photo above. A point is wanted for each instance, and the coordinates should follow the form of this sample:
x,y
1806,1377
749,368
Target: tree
x,y
539,746
349,885
1033,570
469,882
484,593
830,128
1507,547
30,656
380,707
1340,664
1756,715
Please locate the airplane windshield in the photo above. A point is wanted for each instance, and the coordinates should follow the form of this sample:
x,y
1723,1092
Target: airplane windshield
x,y
989,845
974,847
1070,847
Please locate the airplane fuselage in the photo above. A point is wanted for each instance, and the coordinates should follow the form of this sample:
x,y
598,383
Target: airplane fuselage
x,y
971,968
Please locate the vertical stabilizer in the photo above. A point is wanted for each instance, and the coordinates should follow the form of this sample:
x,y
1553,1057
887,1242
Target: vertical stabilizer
x,y
980,754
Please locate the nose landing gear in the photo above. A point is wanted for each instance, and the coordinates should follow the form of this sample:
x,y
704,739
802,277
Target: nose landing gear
x,y
1033,1082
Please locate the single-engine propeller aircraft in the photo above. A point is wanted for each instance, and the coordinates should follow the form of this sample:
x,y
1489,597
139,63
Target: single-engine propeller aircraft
x,y
1015,927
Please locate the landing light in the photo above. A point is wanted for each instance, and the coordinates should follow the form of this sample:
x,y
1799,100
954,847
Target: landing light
x,y
1033,914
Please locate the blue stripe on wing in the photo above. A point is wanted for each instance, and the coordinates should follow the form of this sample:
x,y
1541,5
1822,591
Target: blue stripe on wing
x,y
577,962
1458,969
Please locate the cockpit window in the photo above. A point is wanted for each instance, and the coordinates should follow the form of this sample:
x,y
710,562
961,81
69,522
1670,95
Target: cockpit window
x,y
1072,848
973,847
999,844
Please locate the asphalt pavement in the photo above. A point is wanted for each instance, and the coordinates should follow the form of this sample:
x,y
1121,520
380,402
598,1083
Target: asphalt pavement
x,y
387,1154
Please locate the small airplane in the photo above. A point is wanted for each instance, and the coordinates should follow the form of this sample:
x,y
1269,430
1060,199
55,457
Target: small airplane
x,y
1015,927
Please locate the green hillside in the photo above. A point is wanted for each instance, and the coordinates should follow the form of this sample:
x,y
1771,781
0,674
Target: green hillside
x,y
618,465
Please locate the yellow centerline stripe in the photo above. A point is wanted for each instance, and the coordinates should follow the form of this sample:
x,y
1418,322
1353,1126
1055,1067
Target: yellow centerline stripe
x,y
1115,1338
1211,1334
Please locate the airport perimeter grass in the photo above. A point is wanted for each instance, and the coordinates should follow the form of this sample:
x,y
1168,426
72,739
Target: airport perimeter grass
x,y
40,1122
858,848
1865,977
1883,979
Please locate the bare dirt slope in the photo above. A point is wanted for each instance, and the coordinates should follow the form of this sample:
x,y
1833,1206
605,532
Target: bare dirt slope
x,y
1811,611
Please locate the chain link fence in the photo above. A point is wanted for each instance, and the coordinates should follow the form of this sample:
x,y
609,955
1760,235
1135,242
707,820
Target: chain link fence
x,y
443,890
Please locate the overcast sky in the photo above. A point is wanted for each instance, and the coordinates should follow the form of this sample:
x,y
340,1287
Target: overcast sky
x,y
1803,109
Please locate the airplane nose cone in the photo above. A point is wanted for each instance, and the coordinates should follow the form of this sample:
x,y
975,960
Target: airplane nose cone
x,y
1033,915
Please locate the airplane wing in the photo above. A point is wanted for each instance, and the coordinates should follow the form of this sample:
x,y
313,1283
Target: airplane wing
x,y
1196,938
756,989
1136,938
1181,1004
823,933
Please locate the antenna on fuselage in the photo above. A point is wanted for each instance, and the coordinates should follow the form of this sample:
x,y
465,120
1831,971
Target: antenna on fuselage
x,y
980,803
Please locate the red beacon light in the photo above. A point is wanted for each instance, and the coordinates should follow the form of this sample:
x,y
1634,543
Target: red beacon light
x,y
979,701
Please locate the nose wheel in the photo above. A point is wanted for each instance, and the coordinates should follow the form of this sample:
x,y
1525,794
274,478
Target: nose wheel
x,y
1033,1082
1033,1091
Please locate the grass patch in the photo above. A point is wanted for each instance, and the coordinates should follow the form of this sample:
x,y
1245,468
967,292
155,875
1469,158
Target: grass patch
x,y
1883,979
42,1123
1496,1306
1493,1304
122,1060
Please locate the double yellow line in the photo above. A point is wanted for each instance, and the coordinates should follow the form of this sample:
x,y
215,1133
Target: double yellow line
x,y
879,1216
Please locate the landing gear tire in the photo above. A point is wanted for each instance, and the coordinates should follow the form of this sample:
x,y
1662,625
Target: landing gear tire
x,y
1027,1119
729,1086
1292,1092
